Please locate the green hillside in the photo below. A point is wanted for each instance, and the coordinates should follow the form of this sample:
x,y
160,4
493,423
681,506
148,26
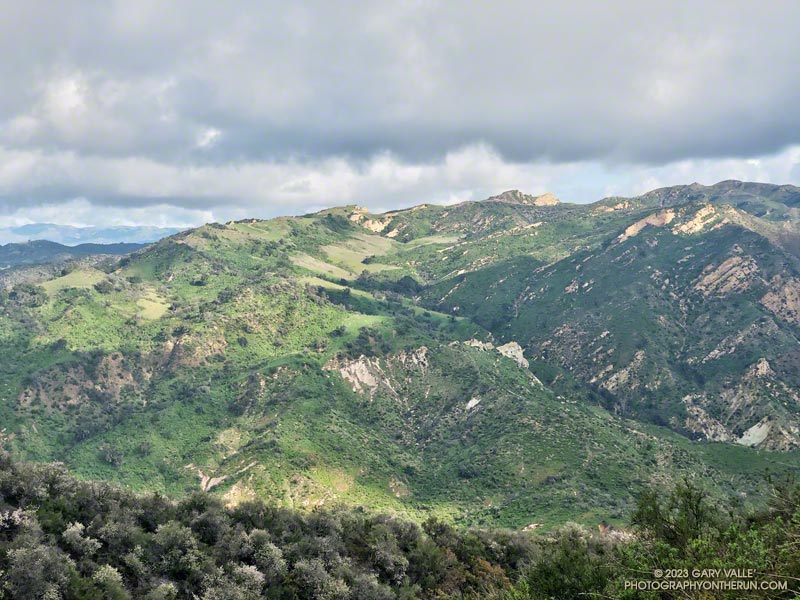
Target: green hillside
x,y
510,362
687,317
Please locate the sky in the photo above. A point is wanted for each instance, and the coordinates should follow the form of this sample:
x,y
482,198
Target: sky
x,y
175,113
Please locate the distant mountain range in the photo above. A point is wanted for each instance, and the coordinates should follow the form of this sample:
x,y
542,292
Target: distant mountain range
x,y
71,236
40,252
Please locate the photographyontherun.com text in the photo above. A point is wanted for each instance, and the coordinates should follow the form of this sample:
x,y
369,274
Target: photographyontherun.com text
x,y
707,580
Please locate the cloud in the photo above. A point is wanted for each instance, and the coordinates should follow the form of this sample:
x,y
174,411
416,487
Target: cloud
x,y
541,80
77,190
278,107
257,188
82,213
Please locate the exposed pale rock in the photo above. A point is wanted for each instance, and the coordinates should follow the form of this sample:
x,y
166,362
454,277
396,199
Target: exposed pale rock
x,y
546,199
624,375
757,434
415,358
735,274
783,300
207,482
762,368
366,375
517,197
514,351
699,421
376,225
658,219
624,205
360,373
699,222
473,343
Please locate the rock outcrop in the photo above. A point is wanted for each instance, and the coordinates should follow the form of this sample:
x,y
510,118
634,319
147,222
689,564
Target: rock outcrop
x,y
517,197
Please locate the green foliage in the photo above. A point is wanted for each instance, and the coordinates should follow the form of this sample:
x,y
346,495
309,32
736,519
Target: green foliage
x,y
63,538
227,356
27,295
312,362
681,533
684,518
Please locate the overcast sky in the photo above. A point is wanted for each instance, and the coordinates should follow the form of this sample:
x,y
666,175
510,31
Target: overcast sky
x,y
173,113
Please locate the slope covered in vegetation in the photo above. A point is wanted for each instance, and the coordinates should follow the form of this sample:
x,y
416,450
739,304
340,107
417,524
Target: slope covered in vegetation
x,y
516,361
61,538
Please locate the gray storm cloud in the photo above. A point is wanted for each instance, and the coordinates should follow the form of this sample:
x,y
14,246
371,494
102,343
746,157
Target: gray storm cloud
x,y
99,97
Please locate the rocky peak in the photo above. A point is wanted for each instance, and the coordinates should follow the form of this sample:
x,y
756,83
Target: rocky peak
x,y
517,197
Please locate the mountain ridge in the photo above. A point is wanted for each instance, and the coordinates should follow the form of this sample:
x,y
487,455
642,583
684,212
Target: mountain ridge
x,y
348,357
44,251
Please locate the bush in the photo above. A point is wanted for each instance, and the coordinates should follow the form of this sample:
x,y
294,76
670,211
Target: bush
x,y
63,538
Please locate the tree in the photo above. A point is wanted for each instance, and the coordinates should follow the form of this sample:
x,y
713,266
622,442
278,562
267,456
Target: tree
x,y
79,543
315,582
109,580
177,552
685,516
240,582
38,572
267,556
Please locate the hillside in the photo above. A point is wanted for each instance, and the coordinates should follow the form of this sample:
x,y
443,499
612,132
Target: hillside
x,y
65,538
687,316
517,361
